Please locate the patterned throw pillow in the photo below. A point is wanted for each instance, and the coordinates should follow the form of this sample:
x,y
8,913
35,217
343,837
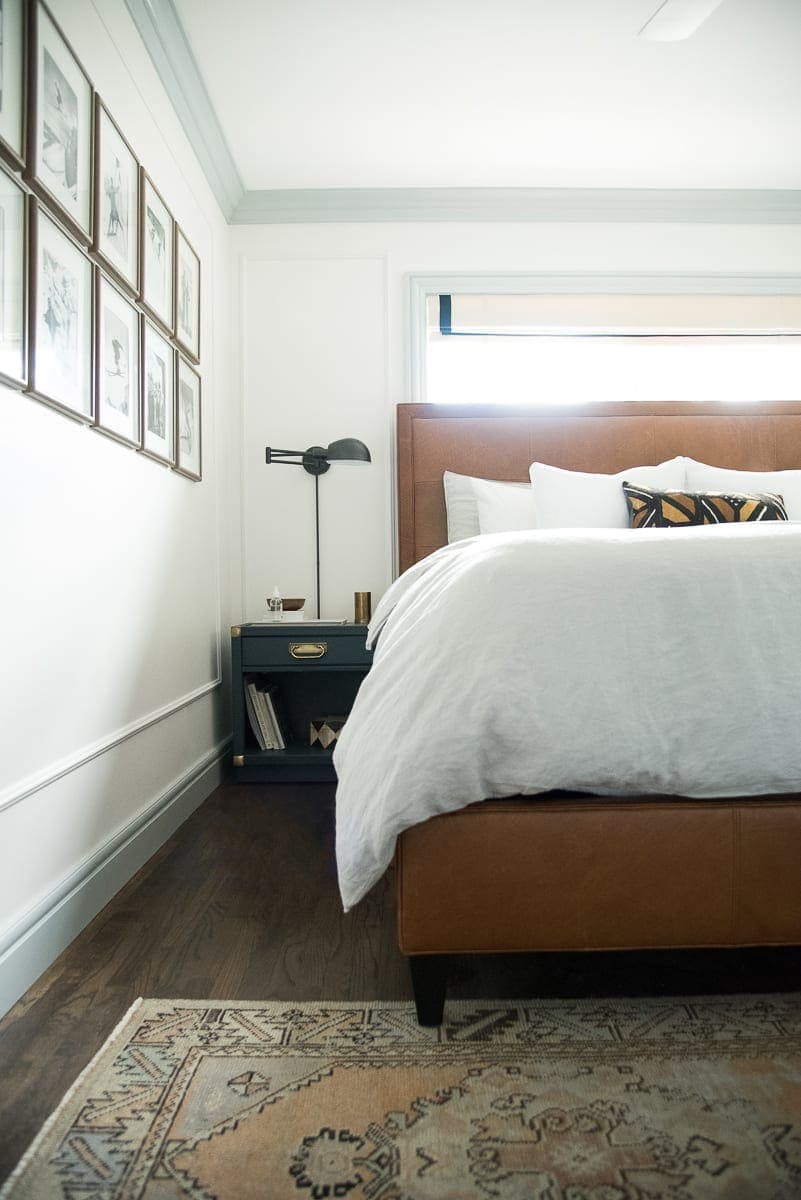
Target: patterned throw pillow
x,y
662,510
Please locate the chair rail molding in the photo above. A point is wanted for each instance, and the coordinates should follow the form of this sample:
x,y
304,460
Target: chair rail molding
x,y
22,788
37,937
166,42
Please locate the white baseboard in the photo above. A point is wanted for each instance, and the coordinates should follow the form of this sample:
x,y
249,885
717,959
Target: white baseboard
x,y
31,945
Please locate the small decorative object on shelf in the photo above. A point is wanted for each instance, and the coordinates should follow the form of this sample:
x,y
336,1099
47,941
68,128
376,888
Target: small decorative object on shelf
x,y
362,607
283,676
275,606
324,731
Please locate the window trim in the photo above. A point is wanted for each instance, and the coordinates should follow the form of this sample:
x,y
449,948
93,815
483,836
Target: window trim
x,y
421,286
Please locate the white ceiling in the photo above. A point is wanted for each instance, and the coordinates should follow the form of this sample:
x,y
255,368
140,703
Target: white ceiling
x,y
508,93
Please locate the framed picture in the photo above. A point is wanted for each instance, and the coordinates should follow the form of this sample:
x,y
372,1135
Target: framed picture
x,y
187,296
116,200
158,395
156,290
12,81
60,361
117,349
60,151
13,281
187,420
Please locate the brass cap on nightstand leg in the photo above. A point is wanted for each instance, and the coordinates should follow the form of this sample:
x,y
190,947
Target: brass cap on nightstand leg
x,y
239,760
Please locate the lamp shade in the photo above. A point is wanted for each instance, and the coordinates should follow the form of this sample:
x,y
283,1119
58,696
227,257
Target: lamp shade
x,y
348,450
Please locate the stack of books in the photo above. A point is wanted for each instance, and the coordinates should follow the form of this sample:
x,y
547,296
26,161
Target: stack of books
x,y
264,714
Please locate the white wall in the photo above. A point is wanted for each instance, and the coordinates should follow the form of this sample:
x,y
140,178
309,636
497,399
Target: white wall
x,y
117,583
325,352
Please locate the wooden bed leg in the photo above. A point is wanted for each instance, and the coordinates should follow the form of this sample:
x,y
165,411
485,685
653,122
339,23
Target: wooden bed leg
x,y
429,980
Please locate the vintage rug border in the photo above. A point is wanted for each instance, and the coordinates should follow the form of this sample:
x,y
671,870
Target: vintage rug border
x,y
436,1038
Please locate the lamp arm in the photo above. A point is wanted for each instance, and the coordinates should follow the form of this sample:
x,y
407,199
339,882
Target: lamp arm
x,y
286,458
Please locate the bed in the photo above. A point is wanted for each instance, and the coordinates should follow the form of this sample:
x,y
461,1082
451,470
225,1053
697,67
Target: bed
x,y
568,871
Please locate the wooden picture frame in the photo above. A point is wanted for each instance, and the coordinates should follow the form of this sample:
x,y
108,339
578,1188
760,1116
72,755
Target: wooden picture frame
x,y
157,250
116,201
186,289
188,420
157,394
13,72
60,125
117,353
14,258
60,364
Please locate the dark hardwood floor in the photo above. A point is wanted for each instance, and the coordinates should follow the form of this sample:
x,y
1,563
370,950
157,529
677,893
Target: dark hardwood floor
x,y
242,903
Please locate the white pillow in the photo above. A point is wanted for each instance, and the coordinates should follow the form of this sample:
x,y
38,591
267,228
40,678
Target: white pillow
x,y
579,500
787,484
501,503
503,508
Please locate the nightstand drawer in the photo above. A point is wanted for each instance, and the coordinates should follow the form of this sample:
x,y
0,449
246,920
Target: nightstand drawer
x,y
316,648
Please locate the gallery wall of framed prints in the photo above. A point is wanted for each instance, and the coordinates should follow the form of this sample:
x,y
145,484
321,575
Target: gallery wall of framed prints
x,y
13,74
61,317
158,367
14,281
99,286
116,197
188,413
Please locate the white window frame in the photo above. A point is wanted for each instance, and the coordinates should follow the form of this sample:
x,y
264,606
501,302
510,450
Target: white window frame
x,y
421,286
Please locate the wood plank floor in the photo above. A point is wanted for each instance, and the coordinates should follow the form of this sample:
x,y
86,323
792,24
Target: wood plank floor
x,y
242,903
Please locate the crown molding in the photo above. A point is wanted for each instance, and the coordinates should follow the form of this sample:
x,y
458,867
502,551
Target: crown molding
x,y
718,206
164,37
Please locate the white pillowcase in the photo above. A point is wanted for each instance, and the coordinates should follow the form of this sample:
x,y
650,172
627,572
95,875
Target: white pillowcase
x,y
787,484
476,506
503,508
580,500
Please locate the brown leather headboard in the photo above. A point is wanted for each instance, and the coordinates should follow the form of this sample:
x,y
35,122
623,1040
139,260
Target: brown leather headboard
x,y
500,443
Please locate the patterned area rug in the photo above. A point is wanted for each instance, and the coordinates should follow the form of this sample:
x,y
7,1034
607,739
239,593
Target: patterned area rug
x,y
642,1099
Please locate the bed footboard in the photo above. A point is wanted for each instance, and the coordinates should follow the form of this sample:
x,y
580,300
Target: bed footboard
x,y
577,873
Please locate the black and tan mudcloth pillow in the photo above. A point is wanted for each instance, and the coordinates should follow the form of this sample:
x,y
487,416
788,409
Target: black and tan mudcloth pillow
x,y
662,510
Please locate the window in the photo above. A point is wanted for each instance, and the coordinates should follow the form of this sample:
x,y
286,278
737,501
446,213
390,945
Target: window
x,y
552,348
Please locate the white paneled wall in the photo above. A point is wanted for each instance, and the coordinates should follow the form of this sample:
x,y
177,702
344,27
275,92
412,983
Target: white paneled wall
x,y
325,348
116,594
314,370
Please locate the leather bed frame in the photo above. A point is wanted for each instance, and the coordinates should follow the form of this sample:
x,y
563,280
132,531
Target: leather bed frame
x,y
567,872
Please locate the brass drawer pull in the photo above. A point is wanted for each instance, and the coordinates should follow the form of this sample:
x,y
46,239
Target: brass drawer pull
x,y
308,649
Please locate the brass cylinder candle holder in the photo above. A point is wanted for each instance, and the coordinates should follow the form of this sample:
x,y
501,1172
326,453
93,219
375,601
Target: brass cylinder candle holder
x,y
361,608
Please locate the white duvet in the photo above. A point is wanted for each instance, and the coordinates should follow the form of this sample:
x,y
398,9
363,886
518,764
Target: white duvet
x,y
642,661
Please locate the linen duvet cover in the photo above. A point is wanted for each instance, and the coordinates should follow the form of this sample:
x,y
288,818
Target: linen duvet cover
x,y
602,661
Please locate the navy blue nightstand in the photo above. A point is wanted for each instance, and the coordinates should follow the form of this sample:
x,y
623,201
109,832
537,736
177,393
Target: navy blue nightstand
x,y
318,670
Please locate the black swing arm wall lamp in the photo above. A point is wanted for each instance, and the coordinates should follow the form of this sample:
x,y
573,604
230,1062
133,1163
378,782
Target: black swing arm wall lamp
x,y
317,460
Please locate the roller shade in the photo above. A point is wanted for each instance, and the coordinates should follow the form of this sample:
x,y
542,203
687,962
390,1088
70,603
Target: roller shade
x,y
593,315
